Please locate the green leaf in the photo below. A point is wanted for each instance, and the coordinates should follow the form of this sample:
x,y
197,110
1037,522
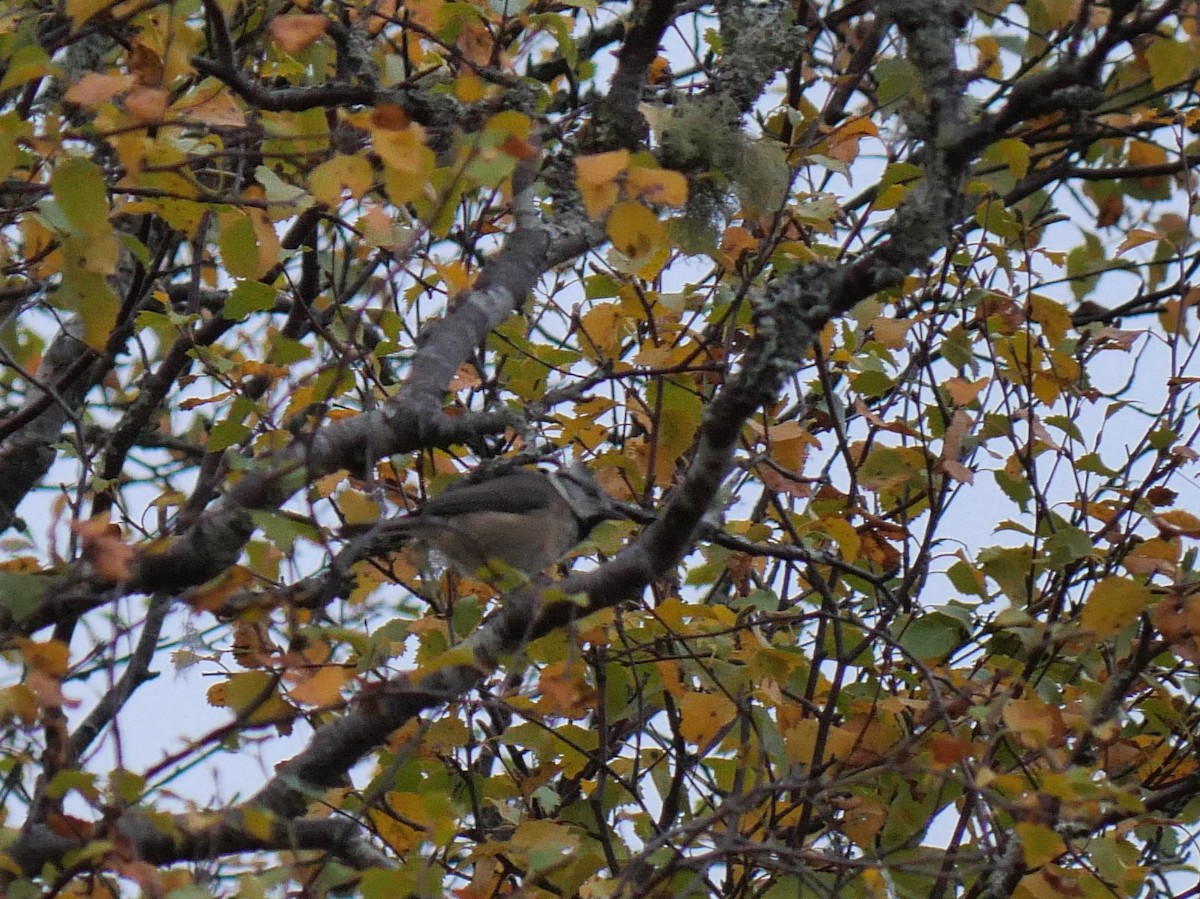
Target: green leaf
x,y
78,186
248,297
28,63
82,782
931,637
897,79
127,786
1066,546
21,593
283,530
379,883
1010,567
1171,62
239,247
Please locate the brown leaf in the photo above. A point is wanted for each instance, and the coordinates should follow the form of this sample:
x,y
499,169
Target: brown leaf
x,y
1177,523
71,827
145,65
253,646
102,548
1161,496
47,691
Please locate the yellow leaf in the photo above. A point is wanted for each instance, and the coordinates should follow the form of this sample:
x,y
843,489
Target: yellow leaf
x,y
257,821
635,230
662,186
1170,62
989,58
601,327
19,701
510,122
399,142
1039,843
253,695
343,172
703,716
595,176
1113,604
404,821
358,508
847,538
79,11
1060,13
801,742
468,87
1136,238
1145,153
1036,723
1051,315
1177,521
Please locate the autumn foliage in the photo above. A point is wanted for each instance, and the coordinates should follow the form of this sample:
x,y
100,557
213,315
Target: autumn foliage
x,y
877,317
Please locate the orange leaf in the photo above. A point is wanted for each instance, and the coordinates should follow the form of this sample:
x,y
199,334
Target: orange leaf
x,y
962,391
50,656
147,104
595,176
947,750
322,687
94,89
291,34
212,596
601,168
215,107
734,242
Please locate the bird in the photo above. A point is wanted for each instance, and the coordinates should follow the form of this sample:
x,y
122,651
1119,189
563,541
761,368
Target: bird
x,y
524,519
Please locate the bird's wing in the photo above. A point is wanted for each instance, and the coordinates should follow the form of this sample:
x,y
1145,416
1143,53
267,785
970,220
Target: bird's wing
x,y
520,491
